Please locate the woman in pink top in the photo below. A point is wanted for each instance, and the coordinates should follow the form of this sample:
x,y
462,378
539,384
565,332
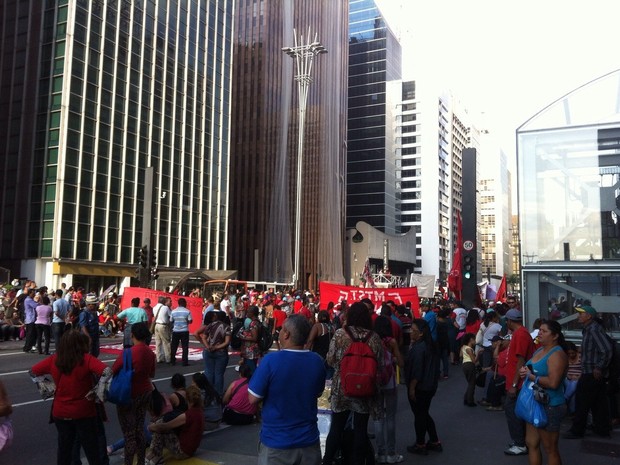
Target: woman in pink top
x,y
238,410
43,323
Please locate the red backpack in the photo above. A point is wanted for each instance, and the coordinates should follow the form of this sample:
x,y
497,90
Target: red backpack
x,y
358,368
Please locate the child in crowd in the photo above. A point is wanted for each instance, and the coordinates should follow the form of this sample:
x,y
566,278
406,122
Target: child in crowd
x,y
469,367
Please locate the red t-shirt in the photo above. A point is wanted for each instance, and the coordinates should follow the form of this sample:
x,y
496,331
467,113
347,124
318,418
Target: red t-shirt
x,y
305,311
70,399
143,364
521,344
279,316
473,328
190,434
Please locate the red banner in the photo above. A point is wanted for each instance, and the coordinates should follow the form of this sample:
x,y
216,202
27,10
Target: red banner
x,y
194,304
399,295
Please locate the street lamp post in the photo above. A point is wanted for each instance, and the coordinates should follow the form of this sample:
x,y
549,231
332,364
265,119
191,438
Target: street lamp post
x,y
304,54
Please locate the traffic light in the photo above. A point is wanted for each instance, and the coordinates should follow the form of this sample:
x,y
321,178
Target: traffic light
x,y
154,274
153,260
142,256
468,266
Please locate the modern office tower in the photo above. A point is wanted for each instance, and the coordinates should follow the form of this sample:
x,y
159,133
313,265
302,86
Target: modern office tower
x,y
93,93
496,213
431,131
265,129
374,59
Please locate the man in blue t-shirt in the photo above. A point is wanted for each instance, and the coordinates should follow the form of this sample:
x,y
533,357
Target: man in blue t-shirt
x,y
289,382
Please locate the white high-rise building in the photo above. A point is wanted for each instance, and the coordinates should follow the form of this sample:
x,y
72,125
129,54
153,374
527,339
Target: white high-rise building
x,y
495,191
431,131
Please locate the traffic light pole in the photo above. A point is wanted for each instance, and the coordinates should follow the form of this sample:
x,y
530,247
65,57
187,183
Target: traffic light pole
x,y
147,240
469,271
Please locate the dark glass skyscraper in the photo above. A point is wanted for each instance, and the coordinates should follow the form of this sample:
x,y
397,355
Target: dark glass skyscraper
x,y
264,150
374,59
93,93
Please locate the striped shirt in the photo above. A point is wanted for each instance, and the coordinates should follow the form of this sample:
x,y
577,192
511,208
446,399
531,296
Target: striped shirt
x,y
180,318
596,348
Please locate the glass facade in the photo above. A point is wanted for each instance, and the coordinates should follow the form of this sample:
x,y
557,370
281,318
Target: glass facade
x,y
265,134
569,203
121,86
374,59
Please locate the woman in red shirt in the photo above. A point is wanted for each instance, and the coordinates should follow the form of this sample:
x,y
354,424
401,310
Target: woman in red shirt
x,y
181,435
131,417
74,415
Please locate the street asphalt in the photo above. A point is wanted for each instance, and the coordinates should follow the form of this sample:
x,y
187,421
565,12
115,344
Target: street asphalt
x,y
469,435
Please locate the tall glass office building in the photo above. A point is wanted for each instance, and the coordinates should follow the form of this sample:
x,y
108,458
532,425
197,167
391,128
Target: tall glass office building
x,y
374,59
265,134
569,205
92,93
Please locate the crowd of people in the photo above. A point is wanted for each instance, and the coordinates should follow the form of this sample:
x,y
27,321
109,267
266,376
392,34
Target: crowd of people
x,y
359,353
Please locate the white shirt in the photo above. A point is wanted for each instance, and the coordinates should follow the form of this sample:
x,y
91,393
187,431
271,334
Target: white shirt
x,y
460,317
164,314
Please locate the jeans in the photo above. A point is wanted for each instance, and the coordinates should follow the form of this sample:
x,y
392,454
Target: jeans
x,y
215,366
183,338
516,426
423,421
58,329
43,331
385,428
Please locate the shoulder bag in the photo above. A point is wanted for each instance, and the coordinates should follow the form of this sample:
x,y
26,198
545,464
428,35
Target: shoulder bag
x,y
120,387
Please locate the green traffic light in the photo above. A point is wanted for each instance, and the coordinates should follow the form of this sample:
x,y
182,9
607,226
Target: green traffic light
x,y
467,275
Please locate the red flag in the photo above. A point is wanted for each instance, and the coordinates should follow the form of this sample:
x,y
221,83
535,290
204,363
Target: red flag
x,y
501,292
367,275
455,278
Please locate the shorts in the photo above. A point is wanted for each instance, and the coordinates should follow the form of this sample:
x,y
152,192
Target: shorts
x,y
555,414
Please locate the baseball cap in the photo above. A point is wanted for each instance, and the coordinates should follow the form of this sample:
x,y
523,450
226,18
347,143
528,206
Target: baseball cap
x,y
514,315
586,309
497,338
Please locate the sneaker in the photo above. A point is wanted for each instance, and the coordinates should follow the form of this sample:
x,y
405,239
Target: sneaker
x,y
484,403
381,458
495,408
516,450
396,458
434,446
416,449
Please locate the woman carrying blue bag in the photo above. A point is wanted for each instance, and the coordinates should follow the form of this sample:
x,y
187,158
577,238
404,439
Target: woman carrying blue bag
x,y
131,416
547,369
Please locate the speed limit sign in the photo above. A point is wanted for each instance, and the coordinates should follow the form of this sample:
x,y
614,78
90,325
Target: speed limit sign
x,y
468,245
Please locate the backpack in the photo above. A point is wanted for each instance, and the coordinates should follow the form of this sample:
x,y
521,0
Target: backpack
x,y
235,342
386,373
358,368
265,338
614,362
